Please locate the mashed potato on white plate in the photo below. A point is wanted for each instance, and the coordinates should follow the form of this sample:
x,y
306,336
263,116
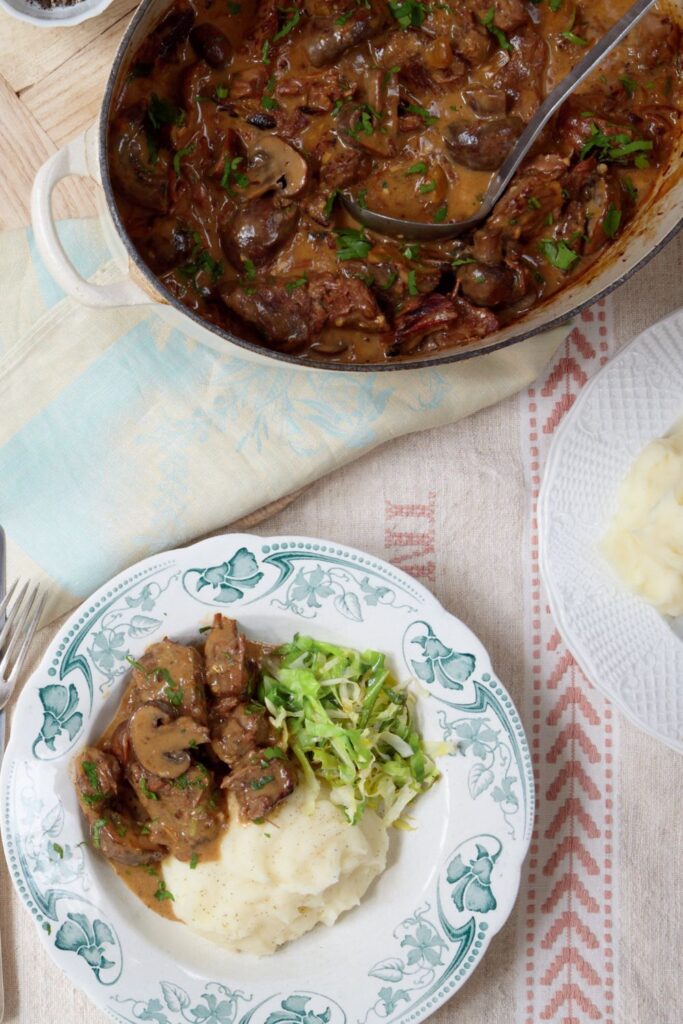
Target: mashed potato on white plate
x,y
645,541
274,881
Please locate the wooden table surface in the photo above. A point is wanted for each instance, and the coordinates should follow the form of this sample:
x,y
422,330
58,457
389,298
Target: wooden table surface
x,y
51,85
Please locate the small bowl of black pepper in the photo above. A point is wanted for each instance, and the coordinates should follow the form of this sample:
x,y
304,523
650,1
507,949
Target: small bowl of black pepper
x,y
54,13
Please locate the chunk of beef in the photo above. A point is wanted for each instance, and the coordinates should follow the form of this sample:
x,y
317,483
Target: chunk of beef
x,y
258,229
164,42
490,286
210,43
535,193
296,317
243,730
227,674
167,243
260,784
112,828
184,812
173,673
522,77
139,172
486,102
508,14
483,147
440,321
654,42
341,166
587,223
326,40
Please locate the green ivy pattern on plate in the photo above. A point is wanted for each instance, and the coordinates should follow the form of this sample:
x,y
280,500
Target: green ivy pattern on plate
x,y
228,581
439,663
217,1004
284,581
431,953
104,632
43,864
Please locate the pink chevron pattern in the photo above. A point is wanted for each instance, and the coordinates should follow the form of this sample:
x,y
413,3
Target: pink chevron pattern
x,y
566,940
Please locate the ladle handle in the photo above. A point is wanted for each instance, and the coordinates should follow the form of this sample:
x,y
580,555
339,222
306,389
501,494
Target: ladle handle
x,y
555,99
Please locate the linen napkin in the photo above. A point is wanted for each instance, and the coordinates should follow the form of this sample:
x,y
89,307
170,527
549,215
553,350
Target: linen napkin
x,y
120,437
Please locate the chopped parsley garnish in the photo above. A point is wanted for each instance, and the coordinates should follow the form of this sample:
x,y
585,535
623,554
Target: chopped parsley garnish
x,y
419,168
489,23
249,269
630,189
352,244
462,261
222,92
231,174
185,151
267,101
409,13
96,831
390,281
343,18
289,25
533,203
162,892
338,104
146,791
555,4
59,850
234,8
572,37
161,111
412,251
611,221
440,215
549,220
412,284
291,286
630,85
366,119
426,186
152,872
136,664
200,260
361,199
260,783
145,830
173,692
265,51
194,861
90,772
558,254
415,108
205,629
614,147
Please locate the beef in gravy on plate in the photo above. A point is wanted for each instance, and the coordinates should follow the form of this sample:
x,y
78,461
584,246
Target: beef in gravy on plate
x,y
187,729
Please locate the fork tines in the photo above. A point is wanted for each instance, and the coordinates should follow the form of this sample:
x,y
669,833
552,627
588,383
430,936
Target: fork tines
x,y
20,612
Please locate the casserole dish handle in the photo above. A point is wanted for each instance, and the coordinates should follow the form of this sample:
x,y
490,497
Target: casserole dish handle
x,y
73,159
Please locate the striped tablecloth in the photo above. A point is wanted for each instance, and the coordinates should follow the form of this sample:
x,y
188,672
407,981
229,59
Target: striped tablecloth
x,y
597,930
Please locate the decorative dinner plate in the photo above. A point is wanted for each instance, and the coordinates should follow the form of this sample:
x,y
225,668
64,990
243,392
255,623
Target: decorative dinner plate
x,y
626,648
449,885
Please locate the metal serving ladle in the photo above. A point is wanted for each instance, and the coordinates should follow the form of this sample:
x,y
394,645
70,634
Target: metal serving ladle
x,y
421,231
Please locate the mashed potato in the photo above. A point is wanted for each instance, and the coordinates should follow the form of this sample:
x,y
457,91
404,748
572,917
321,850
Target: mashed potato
x,y
275,881
645,539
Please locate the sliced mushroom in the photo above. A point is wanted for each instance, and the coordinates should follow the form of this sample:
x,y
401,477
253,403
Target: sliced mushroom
x,y
271,163
160,741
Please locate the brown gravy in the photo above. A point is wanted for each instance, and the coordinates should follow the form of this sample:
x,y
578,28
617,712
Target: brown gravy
x,y
410,106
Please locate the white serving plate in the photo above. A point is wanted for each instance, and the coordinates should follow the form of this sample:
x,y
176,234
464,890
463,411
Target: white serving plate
x,y
450,884
626,648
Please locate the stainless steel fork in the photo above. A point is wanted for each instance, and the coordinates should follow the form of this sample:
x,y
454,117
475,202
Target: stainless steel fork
x,y
20,611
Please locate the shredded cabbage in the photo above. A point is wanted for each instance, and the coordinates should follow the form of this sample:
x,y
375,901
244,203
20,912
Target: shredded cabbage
x,y
349,723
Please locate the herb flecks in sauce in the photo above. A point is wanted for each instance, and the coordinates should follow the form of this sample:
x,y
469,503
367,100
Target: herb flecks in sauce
x,y
386,102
